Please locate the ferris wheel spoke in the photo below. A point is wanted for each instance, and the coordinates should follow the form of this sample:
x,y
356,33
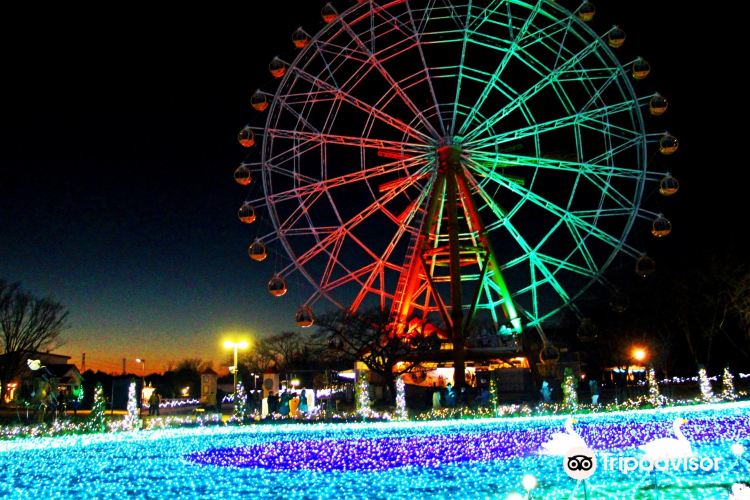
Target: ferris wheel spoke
x,y
287,105
528,252
388,78
539,128
496,77
580,247
612,75
345,140
549,206
276,163
503,160
362,106
353,222
519,101
464,42
487,13
418,39
604,212
334,261
597,174
299,212
303,190
383,261
348,277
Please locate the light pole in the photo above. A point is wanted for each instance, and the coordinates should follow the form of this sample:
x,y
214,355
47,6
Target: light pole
x,y
143,374
230,344
639,355
143,367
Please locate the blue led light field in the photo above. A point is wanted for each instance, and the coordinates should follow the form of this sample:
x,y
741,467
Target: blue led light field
x,y
482,458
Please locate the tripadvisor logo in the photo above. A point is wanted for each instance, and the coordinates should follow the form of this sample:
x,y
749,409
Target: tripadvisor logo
x,y
579,463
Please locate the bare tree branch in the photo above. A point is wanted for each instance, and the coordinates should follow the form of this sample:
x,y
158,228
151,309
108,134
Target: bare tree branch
x,y
27,324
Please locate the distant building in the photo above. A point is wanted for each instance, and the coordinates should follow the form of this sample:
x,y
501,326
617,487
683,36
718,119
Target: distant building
x,y
208,387
54,373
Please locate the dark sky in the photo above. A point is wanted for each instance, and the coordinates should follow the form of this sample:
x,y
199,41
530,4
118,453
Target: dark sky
x,y
119,143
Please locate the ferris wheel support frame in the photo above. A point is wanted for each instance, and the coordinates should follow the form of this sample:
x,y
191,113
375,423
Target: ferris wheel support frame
x,y
451,188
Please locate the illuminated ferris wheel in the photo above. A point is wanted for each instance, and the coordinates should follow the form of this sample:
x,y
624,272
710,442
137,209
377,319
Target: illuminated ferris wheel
x,y
451,161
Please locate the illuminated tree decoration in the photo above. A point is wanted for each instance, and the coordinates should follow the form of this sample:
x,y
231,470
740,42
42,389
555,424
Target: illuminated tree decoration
x,y
240,403
654,397
493,394
401,413
132,419
570,397
363,397
727,382
96,421
707,394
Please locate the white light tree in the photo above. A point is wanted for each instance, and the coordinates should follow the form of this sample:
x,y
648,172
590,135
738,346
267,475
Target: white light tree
x,y
132,419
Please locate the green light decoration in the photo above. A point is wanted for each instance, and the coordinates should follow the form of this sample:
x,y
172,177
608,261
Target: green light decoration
x,y
570,396
654,397
493,394
96,420
727,381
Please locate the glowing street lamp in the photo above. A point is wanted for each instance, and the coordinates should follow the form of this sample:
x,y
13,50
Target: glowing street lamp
x,y
639,354
144,397
230,344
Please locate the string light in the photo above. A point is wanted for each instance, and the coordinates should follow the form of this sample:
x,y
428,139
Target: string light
x,y
240,404
450,458
570,397
727,382
707,394
654,397
363,396
401,413
493,394
96,422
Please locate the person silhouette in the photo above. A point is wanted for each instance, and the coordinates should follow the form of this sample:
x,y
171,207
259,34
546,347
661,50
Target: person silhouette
x,y
594,387
450,396
546,391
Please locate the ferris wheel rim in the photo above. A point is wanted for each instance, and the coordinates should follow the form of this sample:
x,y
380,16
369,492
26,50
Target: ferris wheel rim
x,y
268,146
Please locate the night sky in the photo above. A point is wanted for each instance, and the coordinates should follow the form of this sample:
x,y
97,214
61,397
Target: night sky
x,y
119,141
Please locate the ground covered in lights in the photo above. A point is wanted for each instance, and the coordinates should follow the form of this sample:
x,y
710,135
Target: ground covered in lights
x,y
484,458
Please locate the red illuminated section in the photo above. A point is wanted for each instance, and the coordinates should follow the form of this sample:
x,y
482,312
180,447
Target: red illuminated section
x,y
452,237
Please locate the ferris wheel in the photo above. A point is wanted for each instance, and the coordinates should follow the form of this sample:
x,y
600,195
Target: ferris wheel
x,y
453,161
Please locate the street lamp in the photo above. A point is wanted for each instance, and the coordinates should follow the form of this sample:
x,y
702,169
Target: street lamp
x,y
143,374
255,380
230,344
639,354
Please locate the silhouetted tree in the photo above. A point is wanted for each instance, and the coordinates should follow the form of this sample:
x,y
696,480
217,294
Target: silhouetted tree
x,y
686,314
284,351
367,337
186,373
27,324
